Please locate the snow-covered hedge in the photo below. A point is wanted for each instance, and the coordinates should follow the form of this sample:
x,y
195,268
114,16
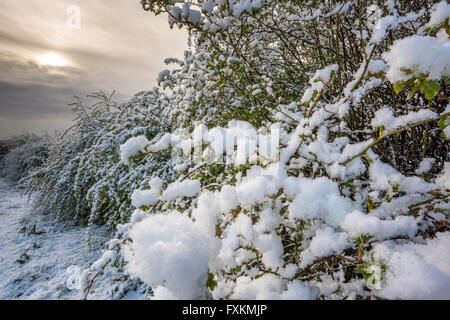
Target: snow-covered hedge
x,y
356,204
83,179
20,155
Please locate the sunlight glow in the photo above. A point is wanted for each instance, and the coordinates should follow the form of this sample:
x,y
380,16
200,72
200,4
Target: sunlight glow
x,y
52,59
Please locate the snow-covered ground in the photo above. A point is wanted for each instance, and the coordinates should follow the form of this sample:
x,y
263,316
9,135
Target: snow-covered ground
x,y
51,249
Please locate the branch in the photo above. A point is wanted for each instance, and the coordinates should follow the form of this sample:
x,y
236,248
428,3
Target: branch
x,y
391,133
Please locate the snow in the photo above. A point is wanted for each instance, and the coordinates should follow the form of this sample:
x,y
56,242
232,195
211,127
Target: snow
x,y
100,264
416,271
174,15
425,165
193,16
186,188
318,81
207,6
162,293
133,147
170,251
155,184
441,36
439,13
390,22
327,241
162,144
383,24
253,190
269,287
271,247
376,66
227,198
373,15
384,118
165,73
421,55
384,177
319,198
240,233
59,253
141,198
324,243
443,180
205,215
268,221
298,291
357,223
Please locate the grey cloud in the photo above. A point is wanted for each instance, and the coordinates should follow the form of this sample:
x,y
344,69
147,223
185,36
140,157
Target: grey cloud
x,y
30,91
119,47
40,101
34,101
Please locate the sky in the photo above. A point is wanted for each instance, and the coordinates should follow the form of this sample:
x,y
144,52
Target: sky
x,y
52,50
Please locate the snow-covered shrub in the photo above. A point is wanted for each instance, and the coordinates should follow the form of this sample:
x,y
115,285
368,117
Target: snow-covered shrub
x,y
83,179
360,185
109,196
22,154
356,205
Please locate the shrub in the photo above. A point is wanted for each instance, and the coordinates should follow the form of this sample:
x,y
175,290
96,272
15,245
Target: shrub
x,y
355,206
22,154
82,180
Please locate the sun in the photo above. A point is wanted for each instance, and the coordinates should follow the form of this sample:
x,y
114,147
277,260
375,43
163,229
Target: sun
x,y
52,59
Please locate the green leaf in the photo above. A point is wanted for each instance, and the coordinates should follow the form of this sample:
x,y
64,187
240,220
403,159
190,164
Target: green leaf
x,y
442,124
395,187
430,88
25,256
398,87
411,93
370,203
211,284
411,81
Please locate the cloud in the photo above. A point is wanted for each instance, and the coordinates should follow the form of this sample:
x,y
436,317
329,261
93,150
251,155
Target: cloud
x,y
119,47
33,101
